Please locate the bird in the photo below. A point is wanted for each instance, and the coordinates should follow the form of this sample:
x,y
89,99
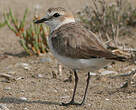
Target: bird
x,y
75,46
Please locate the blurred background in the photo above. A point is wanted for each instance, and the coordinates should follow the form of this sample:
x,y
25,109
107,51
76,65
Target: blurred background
x,y
21,5
29,74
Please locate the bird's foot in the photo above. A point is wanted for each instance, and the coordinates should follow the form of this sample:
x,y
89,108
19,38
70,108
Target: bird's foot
x,y
71,103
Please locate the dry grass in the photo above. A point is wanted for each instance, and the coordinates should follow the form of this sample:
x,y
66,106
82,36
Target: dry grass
x,y
110,21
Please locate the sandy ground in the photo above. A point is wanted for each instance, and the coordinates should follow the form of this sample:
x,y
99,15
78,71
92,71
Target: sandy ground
x,y
37,89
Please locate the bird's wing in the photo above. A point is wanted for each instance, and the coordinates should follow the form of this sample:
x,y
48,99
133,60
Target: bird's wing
x,y
74,41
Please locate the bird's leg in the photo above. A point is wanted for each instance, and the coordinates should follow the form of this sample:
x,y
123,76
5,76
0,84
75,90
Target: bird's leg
x,y
72,100
88,80
76,80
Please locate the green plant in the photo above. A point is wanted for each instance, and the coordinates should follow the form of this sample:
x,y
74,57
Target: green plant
x,y
32,37
2,24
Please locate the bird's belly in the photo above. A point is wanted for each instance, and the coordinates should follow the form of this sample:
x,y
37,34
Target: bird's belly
x,y
91,65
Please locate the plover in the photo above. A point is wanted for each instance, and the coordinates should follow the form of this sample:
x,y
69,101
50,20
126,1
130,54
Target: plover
x,y
75,46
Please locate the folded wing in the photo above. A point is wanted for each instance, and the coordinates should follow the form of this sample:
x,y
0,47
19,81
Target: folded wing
x,y
74,41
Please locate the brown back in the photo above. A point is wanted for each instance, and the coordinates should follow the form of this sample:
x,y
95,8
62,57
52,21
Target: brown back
x,y
74,41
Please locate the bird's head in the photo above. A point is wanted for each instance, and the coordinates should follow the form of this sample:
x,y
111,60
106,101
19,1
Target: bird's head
x,y
56,17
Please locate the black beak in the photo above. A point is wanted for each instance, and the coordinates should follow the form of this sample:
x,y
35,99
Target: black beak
x,y
40,20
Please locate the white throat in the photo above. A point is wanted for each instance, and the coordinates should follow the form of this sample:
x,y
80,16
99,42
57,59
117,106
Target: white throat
x,y
66,21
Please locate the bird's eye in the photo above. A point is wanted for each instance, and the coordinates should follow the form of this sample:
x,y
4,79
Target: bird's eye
x,y
56,15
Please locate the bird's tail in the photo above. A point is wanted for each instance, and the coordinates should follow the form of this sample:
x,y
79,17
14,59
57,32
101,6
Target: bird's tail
x,y
119,58
123,56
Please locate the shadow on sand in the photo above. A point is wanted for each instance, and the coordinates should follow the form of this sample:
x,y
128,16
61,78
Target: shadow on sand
x,y
20,55
10,100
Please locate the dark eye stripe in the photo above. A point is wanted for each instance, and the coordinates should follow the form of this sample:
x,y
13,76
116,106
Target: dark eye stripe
x,y
56,15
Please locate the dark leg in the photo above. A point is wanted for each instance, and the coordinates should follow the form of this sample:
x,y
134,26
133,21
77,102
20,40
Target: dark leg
x,y
88,79
72,100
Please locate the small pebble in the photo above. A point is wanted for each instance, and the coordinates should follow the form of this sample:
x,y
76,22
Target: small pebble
x,y
110,66
72,89
3,107
25,108
23,98
40,76
27,68
19,78
108,72
65,90
55,91
89,104
133,69
24,65
107,99
7,88
60,69
92,74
